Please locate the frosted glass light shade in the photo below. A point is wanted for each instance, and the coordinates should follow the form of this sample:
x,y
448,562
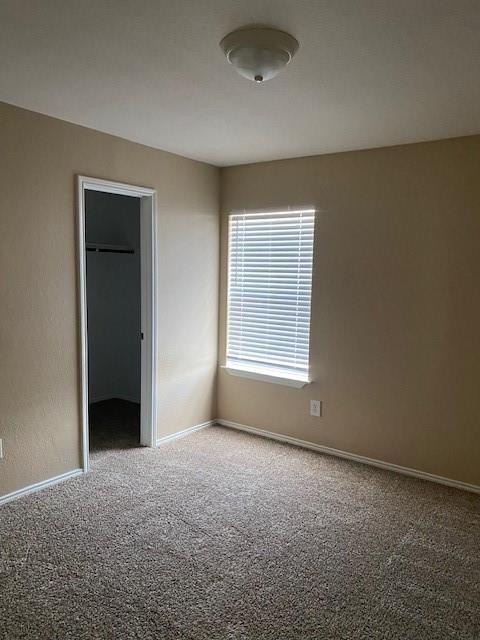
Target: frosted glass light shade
x,y
259,53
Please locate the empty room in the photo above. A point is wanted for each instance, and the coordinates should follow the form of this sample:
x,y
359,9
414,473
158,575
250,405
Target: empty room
x,y
239,320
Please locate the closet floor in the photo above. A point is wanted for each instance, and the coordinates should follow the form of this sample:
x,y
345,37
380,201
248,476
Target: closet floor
x,y
114,424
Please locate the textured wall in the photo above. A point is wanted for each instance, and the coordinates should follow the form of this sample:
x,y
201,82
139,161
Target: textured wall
x,y
396,310
113,298
395,341
39,329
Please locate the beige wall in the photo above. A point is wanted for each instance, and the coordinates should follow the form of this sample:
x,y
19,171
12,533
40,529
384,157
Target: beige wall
x,y
396,307
39,332
395,339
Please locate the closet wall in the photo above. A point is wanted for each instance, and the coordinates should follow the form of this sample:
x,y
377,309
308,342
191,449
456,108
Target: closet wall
x,y
113,298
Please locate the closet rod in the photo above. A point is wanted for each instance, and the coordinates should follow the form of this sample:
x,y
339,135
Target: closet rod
x,y
110,250
105,247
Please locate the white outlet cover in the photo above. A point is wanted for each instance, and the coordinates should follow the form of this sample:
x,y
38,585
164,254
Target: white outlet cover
x,y
315,408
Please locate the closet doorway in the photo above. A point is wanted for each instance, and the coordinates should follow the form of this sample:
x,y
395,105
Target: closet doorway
x,y
117,314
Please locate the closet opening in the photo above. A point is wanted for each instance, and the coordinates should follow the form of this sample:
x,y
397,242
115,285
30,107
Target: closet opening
x,y
117,275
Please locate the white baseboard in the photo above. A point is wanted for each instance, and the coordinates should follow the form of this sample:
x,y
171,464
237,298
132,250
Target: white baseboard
x,y
422,475
389,466
185,432
38,486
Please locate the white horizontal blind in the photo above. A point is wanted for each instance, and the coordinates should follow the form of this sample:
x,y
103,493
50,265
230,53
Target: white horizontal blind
x,y
269,292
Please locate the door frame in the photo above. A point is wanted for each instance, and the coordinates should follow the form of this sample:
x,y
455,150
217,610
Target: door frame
x,y
148,270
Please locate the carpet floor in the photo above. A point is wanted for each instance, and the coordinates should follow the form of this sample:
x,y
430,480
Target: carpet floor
x,y
225,535
113,424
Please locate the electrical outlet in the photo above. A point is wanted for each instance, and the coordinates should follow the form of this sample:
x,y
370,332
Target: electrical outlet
x,y
316,408
1,448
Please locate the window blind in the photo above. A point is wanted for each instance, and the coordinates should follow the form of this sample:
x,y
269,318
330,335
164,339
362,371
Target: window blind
x,y
269,292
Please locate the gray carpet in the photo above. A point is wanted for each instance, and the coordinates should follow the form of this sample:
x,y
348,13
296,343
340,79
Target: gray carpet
x,y
224,535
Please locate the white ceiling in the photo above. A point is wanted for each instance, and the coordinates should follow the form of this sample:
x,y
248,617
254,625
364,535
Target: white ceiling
x,y
368,73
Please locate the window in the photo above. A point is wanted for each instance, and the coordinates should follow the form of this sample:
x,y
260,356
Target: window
x,y
269,294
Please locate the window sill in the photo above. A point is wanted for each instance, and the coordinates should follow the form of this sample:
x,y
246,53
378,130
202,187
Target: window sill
x,y
265,377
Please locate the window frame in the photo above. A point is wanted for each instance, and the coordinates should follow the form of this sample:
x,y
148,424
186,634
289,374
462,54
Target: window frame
x,y
252,373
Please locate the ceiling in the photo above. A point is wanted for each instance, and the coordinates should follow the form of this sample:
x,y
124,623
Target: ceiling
x,y
368,73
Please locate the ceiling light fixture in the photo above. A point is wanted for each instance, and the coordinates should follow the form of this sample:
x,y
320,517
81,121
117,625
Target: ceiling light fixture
x,y
259,53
